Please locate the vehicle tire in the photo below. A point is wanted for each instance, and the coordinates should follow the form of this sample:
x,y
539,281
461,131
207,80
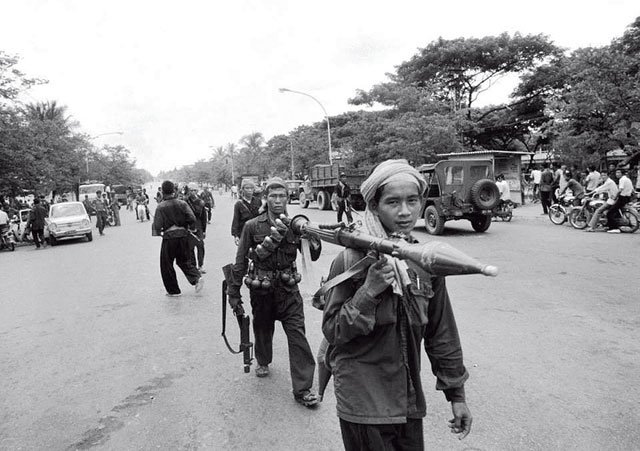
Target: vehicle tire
x,y
12,247
557,214
304,202
90,236
433,222
632,221
480,223
52,240
323,201
485,194
334,202
579,218
508,215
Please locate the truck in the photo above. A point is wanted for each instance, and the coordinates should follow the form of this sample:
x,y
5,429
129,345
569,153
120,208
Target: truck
x,y
319,186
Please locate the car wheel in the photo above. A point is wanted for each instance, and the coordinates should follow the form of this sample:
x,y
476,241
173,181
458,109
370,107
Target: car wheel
x,y
485,194
480,223
52,240
12,247
433,222
90,236
304,203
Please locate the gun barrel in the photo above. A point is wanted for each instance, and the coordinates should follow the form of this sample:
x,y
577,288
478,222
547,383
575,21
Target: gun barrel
x,y
435,257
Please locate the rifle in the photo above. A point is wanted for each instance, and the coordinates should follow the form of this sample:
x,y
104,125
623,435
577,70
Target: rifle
x,y
435,257
246,346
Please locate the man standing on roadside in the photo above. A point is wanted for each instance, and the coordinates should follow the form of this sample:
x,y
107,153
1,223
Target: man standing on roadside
x,y
343,191
546,186
100,207
536,174
172,221
593,179
36,222
625,189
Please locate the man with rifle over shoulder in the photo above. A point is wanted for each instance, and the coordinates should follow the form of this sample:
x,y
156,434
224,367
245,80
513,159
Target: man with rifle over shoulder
x,y
266,254
376,321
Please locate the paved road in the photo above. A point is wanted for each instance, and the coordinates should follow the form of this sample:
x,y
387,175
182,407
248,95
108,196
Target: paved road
x,y
94,356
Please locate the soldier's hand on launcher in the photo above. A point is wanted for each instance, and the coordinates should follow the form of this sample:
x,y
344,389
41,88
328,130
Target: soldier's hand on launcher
x,y
379,276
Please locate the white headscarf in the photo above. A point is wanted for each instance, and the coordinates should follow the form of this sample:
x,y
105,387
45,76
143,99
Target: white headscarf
x,y
387,172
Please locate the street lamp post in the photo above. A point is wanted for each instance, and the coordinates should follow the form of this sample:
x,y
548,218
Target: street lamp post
x,y
292,167
326,116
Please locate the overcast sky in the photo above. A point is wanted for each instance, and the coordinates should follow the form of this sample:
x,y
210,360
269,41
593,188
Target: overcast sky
x,y
179,77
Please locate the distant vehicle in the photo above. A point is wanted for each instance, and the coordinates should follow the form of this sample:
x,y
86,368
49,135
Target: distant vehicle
x,y
119,193
68,220
459,189
293,186
90,190
322,181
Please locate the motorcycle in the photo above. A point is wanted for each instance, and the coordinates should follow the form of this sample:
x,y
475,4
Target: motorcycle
x,y
7,240
627,220
504,211
559,212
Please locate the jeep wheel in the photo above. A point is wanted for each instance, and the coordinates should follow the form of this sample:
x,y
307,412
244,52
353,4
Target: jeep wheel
x,y
433,222
480,223
304,202
485,194
52,240
90,236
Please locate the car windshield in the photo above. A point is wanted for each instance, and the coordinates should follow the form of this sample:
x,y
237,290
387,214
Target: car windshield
x,y
62,210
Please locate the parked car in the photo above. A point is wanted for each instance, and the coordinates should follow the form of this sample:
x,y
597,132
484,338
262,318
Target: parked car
x,y
459,189
68,220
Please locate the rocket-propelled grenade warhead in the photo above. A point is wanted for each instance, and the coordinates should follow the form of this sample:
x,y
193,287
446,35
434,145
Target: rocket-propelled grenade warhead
x,y
435,257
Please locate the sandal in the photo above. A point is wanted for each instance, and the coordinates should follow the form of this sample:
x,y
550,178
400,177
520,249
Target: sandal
x,y
307,399
262,371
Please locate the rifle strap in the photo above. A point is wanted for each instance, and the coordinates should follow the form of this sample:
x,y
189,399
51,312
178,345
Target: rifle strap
x,y
224,319
357,268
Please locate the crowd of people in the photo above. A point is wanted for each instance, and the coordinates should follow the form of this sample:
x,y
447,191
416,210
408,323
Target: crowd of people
x,y
549,183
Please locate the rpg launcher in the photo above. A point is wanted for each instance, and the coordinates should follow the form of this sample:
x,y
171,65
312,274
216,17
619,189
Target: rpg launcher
x,y
434,257
246,347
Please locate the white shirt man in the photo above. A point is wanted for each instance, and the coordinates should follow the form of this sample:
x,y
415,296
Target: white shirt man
x,y
592,179
536,174
503,187
4,218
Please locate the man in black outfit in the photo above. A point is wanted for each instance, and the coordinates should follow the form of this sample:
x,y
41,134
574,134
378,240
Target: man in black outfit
x,y
172,221
343,191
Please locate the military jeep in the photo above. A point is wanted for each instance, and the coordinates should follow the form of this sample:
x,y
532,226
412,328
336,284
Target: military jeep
x,y
459,189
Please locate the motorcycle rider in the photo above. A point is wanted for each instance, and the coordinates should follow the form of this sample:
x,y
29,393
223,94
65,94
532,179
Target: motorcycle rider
x,y
625,189
505,191
576,188
608,186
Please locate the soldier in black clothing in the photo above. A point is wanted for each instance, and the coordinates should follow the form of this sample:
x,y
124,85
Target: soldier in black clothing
x,y
343,191
172,221
246,208
271,249
197,240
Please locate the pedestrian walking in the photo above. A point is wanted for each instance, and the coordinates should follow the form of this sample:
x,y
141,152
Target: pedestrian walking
x,y
196,239
36,222
209,202
100,207
275,296
115,208
375,324
173,219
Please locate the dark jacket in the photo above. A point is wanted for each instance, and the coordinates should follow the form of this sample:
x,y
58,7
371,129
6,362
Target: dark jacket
x,y
199,211
36,217
343,191
242,212
172,219
375,346
254,233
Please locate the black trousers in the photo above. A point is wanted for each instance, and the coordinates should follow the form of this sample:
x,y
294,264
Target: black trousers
x,y
178,250
383,437
285,306
38,236
614,211
101,220
545,200
344,208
